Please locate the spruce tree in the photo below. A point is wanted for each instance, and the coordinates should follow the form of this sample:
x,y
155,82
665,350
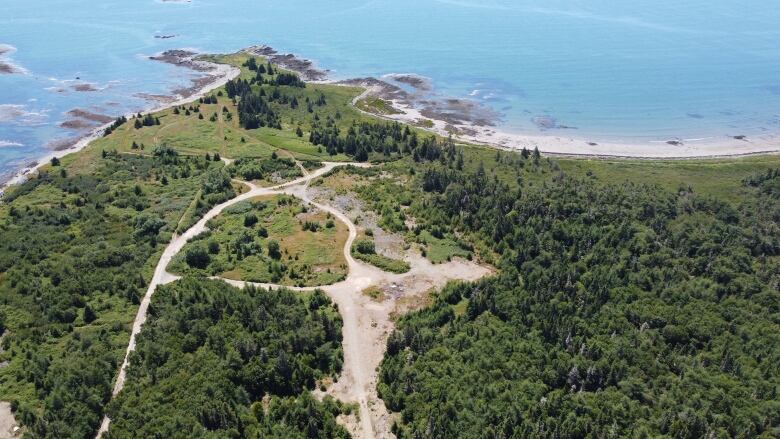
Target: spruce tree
x,y
89,314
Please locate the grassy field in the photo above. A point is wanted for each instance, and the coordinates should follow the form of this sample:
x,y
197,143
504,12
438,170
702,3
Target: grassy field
x,y
720,178
374,293
191,135
439,250
239,244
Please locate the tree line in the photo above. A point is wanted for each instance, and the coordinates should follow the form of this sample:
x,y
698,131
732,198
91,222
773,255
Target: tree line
x,y
213,361
618,310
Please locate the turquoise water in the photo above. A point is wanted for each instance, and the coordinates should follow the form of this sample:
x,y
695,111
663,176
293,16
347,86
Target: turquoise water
x,y
640,69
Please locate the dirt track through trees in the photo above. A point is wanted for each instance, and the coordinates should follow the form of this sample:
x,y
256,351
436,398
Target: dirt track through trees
x,y
367,323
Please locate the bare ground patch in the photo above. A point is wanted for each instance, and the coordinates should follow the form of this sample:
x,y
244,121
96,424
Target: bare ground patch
x,y
8,426
336,192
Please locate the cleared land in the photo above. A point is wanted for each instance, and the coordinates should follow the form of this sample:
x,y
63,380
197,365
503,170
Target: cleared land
x,y
239,244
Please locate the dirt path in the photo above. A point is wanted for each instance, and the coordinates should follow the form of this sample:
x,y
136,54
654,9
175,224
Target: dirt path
x,y
161,276
367,324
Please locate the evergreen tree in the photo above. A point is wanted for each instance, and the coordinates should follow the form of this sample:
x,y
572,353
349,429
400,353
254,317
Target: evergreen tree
x,y
274,250
89,314
251,63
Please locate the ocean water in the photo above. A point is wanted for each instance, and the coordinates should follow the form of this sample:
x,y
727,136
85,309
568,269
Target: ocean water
x,y
634,70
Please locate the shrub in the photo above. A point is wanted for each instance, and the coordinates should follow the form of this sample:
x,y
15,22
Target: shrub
x,y
365,246
274,249
250,220
197,257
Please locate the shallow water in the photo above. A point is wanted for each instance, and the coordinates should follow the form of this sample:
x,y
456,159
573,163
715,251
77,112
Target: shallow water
x,y
640,70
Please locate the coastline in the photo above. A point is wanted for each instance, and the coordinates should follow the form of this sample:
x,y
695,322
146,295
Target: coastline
x,y
466,122
219,74
582,147
469,121
409,100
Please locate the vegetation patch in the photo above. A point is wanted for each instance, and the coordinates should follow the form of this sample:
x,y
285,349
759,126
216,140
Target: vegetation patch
x,y
720,178
375,293
424,123
375,105
441,249
266,172
268,240
364,250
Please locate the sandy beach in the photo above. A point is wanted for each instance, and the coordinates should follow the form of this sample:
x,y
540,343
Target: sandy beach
x,y
217,76
555,144
468,122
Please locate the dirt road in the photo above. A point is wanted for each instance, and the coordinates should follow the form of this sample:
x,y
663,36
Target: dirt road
x,y
367,324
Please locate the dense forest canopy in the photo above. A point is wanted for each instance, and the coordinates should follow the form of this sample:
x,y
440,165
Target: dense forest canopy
x,y
73,259
618,311
215,361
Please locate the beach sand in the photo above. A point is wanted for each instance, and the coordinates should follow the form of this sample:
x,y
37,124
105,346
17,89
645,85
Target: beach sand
x,y
466,123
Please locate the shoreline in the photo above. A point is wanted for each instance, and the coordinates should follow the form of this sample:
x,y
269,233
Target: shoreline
x,y
220,74
466,120
469,121
583,147
465,127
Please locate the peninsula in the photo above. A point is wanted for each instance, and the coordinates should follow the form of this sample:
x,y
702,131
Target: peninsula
x,y
272,257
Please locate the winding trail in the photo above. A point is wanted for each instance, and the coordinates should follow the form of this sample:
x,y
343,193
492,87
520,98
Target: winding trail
x,y
367,324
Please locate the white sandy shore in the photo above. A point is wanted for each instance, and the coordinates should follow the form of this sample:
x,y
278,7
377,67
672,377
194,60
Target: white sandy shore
x,y
561,145
222,73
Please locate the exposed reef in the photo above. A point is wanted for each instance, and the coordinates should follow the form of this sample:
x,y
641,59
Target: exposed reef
x,y
288,61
